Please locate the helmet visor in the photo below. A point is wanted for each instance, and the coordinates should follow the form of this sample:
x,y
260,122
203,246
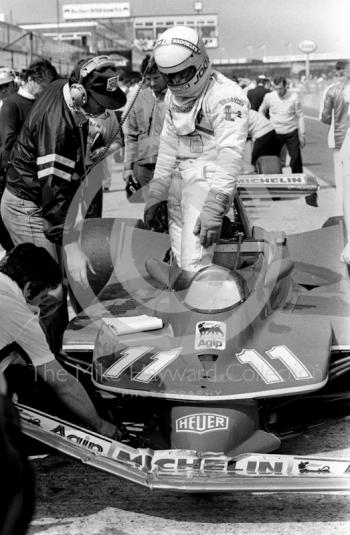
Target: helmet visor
x,y
180,77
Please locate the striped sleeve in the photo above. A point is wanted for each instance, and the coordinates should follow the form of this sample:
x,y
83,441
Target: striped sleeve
x,y
55,164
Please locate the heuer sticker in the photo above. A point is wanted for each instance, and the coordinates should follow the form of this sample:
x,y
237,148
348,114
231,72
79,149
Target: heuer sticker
x,y
201,423
210,335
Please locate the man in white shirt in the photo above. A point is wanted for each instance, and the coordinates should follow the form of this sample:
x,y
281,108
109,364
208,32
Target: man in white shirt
x,y
287,118
334,113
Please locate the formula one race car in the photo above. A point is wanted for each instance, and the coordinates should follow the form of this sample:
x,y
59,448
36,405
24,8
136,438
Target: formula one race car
x,y
207,379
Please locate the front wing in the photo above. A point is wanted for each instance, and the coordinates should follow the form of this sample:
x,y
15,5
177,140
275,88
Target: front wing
x,y
187,470
282,186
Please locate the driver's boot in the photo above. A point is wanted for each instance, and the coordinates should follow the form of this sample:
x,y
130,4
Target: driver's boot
x,y
159,271
180,279
169,276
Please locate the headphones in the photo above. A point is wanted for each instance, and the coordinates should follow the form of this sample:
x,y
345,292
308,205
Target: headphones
x,y
78,92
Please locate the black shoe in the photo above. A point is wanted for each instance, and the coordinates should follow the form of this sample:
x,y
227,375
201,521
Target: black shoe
x,y
182,281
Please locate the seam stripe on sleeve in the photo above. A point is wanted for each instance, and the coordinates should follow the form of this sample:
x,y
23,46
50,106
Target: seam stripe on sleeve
x,y
52,158
54,171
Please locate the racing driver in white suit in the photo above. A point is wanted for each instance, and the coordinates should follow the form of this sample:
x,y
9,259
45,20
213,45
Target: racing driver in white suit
x,y
201,148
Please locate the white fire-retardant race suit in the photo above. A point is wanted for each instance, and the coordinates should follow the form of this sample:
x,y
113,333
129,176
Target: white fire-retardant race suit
x,y
206,160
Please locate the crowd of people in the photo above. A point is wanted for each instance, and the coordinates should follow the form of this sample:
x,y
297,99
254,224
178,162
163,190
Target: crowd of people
x,y
45,155
185,131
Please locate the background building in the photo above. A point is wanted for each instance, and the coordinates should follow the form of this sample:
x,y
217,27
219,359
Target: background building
x,y
243,37
18,48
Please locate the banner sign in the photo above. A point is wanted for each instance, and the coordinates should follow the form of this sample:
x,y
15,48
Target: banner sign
x,y
94,11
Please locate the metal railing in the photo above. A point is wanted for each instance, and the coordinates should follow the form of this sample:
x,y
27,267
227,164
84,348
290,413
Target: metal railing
x,y
18,48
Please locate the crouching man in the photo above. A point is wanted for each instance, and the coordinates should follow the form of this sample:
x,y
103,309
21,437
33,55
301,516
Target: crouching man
x,y
27,274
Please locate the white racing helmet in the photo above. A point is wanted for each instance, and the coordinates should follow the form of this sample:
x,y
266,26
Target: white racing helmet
x,y
181,50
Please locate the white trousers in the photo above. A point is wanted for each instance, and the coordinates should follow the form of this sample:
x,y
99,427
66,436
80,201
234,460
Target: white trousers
x,y
188,191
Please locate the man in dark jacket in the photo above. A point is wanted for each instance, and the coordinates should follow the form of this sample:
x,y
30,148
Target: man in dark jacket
x,y
256,95
17,106
46,183
8,86
13,112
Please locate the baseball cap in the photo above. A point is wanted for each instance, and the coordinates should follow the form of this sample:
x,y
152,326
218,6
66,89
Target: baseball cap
x,y
102,83
342,64
6,75
263,78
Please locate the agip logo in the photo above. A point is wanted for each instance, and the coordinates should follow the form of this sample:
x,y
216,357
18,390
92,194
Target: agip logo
x,y
210,335
201,423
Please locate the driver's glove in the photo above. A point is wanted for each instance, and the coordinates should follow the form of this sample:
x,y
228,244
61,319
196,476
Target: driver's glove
x,y
128,174
209,222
